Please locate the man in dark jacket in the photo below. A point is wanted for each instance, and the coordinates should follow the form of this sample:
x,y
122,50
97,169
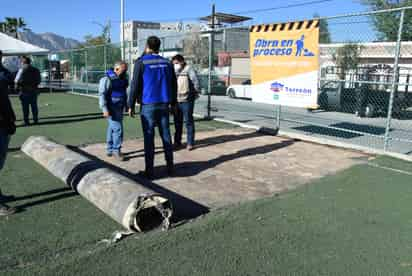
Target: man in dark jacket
x,y
154,87
7,127
28,81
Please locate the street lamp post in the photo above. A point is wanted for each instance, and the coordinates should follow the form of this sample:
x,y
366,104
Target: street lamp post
x,y
211,59
122,28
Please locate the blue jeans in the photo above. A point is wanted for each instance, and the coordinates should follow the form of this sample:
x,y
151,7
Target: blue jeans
x,y
185,112
29,100
4,145
114,137
153,115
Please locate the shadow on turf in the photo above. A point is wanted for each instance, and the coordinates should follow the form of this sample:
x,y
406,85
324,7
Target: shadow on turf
x,y
68,121
13,149
187,169
184,208
67,116
57,194
203,143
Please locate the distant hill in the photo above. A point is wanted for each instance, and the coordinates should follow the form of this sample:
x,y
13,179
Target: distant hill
x,y
49,41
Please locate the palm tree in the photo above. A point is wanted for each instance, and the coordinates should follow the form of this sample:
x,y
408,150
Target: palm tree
x,y
14,25
3,27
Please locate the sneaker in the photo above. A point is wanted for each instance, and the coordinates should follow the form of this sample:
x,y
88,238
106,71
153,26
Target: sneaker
x,y
189,147
109,154
119,157
5,211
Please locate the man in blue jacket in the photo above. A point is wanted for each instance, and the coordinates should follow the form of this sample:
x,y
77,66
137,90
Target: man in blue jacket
x,y
154,87
113,103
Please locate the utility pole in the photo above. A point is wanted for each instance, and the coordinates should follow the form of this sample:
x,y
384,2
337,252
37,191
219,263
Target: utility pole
x,y
109,28
122,28
211,59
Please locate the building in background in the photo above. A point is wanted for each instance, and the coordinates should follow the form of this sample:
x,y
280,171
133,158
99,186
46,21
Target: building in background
x,y
178,35
172,35
191,39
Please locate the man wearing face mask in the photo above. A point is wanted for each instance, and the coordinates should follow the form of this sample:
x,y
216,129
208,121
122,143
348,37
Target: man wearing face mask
x,y
187,92
28,80
113,103
154,88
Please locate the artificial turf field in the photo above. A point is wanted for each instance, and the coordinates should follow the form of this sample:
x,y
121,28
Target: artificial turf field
x,y
358,222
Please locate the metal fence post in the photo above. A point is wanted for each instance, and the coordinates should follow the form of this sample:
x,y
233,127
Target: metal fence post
x,y
394,81
86,71
162,51
105,57
278,112
72,70
130,53
211,58
50,76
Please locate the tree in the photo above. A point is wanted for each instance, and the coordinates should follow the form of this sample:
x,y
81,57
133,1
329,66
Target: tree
x,y
96,47
93,40
196,49
324,33
347,58
103,38
3,27
14,25
387,24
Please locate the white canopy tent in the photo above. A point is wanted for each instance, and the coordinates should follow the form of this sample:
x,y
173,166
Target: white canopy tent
x,y
14,47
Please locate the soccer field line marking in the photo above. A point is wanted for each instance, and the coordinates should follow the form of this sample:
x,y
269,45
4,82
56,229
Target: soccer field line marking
x,y
374,165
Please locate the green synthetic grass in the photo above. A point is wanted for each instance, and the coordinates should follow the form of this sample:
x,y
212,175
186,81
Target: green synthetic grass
x,y
54,221
358,222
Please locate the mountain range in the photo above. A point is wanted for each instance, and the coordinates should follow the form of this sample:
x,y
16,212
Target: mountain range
x,y
49,41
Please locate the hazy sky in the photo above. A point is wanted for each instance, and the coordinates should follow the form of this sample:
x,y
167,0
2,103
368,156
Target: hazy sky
x,y
73,18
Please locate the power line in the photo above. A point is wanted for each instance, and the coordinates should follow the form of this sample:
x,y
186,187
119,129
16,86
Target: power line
x,y
307,3
296,5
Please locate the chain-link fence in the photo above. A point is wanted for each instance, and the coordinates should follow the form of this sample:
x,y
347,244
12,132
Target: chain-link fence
x,y
365,97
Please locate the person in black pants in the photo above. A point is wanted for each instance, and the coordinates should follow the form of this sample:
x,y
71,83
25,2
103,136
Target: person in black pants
x,y
188,88
28,80
154,88
7,128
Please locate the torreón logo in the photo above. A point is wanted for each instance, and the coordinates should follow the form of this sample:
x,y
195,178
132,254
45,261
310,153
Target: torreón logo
x,y
286,47
278,87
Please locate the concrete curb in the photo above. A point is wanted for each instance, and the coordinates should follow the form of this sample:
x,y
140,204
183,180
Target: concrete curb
x,y
96,96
